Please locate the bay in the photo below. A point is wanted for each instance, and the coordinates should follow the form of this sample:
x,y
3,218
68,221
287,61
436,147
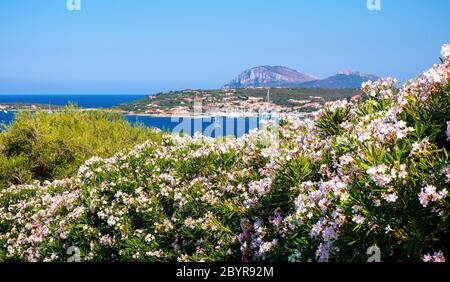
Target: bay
x,y
209,126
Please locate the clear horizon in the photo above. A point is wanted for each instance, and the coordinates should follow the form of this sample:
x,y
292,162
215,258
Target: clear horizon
x,y
115,47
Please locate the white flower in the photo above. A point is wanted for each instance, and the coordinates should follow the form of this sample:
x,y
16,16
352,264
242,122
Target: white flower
x,y
402,172
389,197
387,229
355,209
448,130
446,51
358,219
446,171
112,220
149,238
157,253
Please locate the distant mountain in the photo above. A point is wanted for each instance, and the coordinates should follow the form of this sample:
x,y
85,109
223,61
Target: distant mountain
x,y
343,79
269,76
278,76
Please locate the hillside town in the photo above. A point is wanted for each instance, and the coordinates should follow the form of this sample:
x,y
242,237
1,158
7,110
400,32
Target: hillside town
x,y
245,101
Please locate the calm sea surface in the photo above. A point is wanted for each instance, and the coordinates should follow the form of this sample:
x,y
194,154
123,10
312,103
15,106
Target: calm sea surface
x,y
85,101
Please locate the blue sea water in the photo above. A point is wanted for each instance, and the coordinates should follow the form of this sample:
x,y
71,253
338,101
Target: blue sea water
x,y
208,126
85,101
212,127
6,118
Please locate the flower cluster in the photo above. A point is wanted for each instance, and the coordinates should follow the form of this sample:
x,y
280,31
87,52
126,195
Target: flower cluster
x,y
383,88
429,194
436,257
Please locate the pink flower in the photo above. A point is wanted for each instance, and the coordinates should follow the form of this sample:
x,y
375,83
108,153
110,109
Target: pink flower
x,y
436,257
383,88
446,51
402,172
323,252
430,194
379,176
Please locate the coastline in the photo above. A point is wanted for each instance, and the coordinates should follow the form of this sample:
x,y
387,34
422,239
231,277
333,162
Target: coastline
x,y
5,107
212,115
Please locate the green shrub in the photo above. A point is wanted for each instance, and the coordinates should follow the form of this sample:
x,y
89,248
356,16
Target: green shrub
x,y
15,169
46,146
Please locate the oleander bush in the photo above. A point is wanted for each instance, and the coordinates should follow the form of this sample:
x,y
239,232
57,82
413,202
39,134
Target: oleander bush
x,y
47,146
358,177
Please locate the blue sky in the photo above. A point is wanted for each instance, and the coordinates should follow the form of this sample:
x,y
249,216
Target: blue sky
x,y
145,46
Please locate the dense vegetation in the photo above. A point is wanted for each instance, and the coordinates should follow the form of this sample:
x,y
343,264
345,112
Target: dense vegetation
x,y
47,146
357,179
